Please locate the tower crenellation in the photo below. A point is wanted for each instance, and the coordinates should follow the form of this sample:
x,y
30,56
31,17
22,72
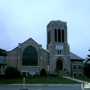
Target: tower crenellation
x,y
57,23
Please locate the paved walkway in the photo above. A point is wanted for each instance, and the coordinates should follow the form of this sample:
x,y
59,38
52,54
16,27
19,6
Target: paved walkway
x,y
80,81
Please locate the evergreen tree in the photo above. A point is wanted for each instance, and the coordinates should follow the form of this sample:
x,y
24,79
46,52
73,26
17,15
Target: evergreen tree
x,y
3,52
87,67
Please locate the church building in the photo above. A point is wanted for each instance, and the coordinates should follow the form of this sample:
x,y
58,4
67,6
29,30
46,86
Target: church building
x,y
30,58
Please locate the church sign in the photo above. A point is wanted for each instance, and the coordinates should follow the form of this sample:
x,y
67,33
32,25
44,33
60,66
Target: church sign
x,y
32,72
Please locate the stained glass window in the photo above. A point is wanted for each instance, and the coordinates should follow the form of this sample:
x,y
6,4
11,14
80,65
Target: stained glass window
x,y
30,57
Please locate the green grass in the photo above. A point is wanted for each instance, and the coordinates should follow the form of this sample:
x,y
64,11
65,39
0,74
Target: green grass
x,y
86,79
36,80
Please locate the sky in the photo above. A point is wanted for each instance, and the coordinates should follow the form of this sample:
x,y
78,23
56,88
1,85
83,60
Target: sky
x,y
22,19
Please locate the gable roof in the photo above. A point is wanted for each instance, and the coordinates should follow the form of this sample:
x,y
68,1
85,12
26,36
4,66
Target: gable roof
x,y
74,56
25,42
30,39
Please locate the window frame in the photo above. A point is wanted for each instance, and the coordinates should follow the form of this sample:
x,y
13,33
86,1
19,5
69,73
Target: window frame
x,y
30,56
80,66
59,52
74,66
74,74
80,74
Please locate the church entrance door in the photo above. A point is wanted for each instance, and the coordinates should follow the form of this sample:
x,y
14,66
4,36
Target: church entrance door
x,y
59,65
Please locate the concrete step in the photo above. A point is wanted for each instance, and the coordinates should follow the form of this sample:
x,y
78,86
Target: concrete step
x,y
62,73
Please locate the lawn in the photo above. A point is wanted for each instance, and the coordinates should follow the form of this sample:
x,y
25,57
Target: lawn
x,y
37,80
86,79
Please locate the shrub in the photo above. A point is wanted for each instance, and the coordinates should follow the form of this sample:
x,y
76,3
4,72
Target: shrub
x,y
53,75
2,76
43,72
86,69
11,72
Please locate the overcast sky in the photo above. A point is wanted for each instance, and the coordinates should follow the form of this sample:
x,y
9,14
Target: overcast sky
x,y
22,19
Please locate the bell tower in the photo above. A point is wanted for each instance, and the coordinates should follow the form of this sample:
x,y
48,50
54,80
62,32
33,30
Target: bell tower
x,y
57,45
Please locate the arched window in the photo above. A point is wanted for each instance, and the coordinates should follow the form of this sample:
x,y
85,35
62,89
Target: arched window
x,y
62,35
59,35
55,35
30,57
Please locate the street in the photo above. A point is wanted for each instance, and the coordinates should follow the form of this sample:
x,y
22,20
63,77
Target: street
x,y
76,87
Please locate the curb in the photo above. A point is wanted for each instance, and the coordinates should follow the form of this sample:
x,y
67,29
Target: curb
x,y
40,84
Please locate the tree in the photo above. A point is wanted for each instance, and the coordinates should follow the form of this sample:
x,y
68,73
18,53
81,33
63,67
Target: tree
x,y
86,67
3,52
12,72
87,70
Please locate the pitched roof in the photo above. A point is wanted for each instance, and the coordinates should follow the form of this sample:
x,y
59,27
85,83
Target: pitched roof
x,y
30,39
47,51
26,41
74,56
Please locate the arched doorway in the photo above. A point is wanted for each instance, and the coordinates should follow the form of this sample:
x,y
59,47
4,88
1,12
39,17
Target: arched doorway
x,y
59,65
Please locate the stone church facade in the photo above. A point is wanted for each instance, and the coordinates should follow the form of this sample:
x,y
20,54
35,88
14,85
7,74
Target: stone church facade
x,y
29,57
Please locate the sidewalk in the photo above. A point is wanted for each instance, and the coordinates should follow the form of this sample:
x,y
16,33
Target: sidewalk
x,y
80,81
40,85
